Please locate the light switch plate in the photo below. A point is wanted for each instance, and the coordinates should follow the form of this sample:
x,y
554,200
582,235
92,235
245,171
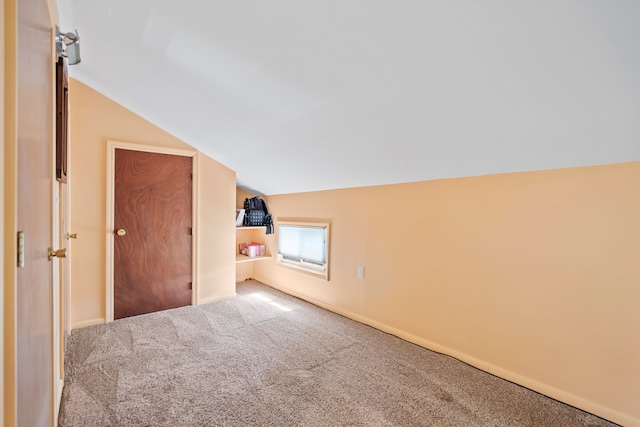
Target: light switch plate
x,y
20,249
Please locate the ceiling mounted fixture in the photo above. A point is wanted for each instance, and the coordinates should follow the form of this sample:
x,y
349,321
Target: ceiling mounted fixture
x,y
68,46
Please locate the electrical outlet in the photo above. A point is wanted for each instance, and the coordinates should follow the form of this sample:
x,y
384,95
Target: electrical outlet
x,y
361,271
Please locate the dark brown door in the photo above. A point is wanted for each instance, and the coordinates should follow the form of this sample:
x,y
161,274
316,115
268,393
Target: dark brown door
x,y
34,297
152,243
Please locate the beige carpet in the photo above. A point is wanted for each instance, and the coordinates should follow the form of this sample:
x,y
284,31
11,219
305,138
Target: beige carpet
x,y
268,359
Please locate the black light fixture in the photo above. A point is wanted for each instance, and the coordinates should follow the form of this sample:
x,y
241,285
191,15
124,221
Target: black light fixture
x,y
68,46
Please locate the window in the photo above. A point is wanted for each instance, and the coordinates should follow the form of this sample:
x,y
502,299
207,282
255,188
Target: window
x,y
305,246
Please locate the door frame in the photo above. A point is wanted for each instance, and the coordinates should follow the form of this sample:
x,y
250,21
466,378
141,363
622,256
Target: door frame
x,y
57,243
110,229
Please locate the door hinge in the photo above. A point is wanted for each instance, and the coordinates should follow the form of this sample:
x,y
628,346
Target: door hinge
x,y
190,285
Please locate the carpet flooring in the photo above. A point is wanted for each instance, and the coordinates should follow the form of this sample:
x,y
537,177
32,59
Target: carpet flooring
x,y
267,359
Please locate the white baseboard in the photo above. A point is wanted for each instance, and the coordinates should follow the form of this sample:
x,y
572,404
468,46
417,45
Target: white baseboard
x,y
85,323
547,390
216,298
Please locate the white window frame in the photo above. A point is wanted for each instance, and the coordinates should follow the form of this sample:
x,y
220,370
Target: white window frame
x,y
307,267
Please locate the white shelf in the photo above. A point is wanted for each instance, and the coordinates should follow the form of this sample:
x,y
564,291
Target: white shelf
x,y
244,258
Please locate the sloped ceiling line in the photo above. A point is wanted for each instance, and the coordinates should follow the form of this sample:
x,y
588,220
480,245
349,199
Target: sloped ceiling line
x,y
320,95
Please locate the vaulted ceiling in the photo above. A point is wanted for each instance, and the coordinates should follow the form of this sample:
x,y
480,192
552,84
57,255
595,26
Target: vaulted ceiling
x,y
310,95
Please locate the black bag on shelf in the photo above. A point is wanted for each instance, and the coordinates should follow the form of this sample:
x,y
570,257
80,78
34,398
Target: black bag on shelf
x,y
255,217
256,214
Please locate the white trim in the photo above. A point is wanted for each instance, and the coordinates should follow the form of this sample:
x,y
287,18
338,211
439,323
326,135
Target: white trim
x,y
9,192
320,271
58,386
111,161
109,231
90,322
217,298
56,240
195,227
3,260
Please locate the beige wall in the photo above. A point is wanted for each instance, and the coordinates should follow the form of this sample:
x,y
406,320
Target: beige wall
x,y
240,196
531,276
94,119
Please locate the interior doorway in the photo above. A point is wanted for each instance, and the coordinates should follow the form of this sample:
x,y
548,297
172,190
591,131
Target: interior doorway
x,y
150,232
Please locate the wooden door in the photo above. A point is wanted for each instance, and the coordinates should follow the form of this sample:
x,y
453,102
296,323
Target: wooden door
x,y
34,297
152,244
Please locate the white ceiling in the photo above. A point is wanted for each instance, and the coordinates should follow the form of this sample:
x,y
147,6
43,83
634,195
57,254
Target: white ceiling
x,y
311,95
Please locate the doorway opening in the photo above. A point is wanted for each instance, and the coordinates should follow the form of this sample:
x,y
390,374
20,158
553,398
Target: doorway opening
x,y
169,235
